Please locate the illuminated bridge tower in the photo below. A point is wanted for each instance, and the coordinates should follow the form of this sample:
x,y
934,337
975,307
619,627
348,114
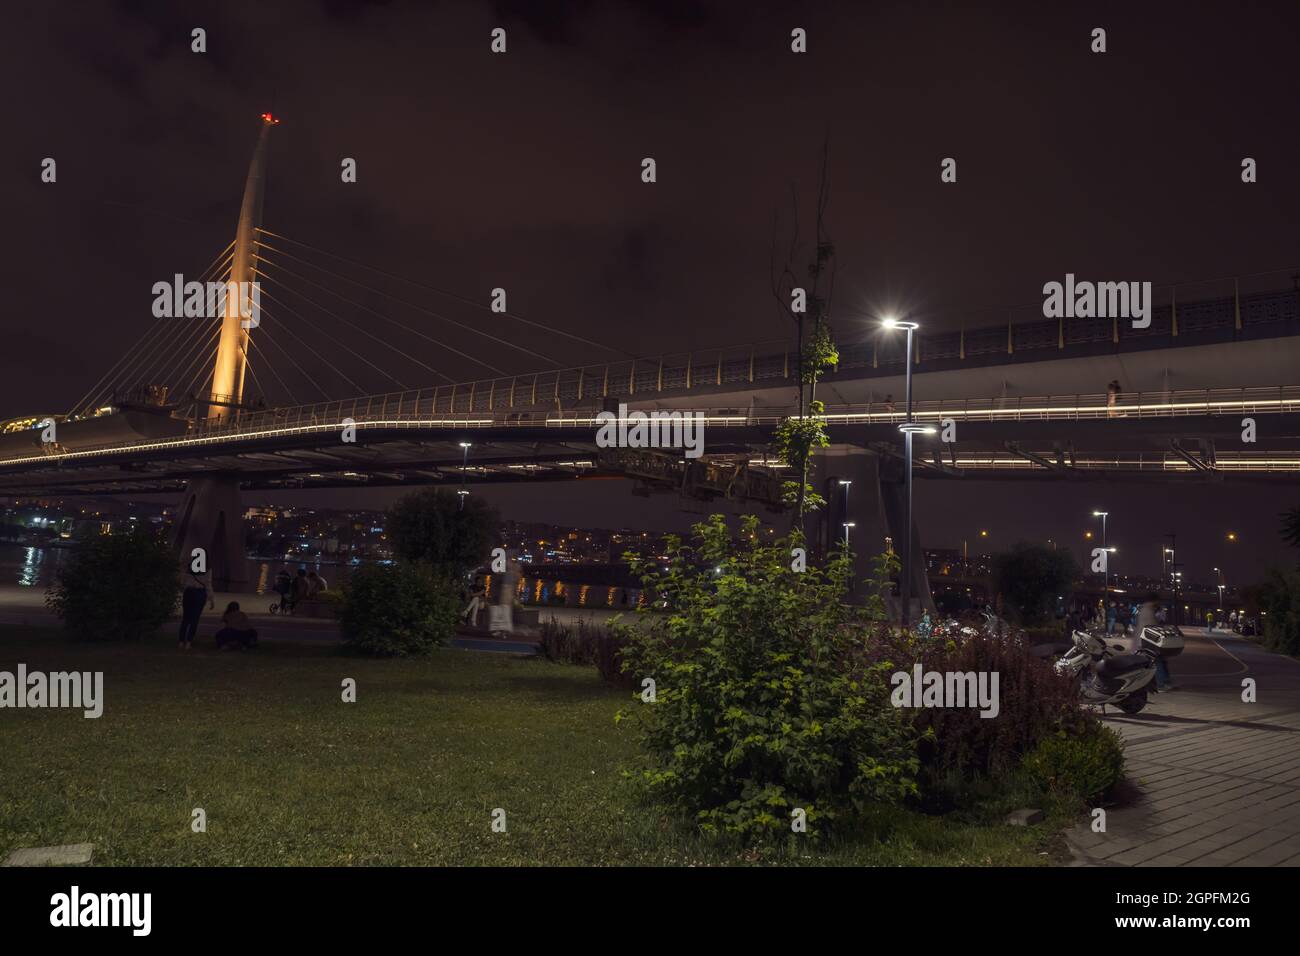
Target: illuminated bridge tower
x,y
232,349
211,516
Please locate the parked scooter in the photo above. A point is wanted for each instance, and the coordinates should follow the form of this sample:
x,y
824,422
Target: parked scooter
x,y
1107,675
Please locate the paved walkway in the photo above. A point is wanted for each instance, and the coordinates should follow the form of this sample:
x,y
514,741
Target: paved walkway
x,y
1218,780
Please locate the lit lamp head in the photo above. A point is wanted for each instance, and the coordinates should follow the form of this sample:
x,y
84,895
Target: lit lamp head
x,y
916,428
891,322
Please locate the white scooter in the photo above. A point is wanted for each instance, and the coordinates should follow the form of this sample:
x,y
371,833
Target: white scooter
x,y
1108,675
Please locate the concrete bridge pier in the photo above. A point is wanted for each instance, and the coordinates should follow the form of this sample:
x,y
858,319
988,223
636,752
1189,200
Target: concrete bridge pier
x,y
211,517
873,501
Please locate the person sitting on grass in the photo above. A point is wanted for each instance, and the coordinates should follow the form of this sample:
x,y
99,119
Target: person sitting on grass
x,y
236,631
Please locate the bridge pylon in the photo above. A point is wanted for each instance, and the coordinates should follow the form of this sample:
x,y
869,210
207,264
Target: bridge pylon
x,y
211,517
232,348
873,502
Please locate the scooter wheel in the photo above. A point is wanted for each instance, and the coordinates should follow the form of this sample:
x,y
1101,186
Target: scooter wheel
x,y
1133,704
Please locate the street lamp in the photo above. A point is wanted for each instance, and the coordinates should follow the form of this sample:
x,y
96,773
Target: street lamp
x,y
1221,587
908,428
845,483
847,526
1105,564
464,466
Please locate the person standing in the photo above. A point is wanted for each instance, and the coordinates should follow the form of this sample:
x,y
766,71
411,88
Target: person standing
x,y
197,591
301,589
1112,398
1148,615
477,599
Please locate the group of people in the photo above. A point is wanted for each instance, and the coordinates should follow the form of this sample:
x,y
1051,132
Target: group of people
x,y
294,590
237,631
1213,624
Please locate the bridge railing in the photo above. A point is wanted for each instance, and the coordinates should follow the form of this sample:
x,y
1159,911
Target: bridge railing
x,y
1216,310
420,408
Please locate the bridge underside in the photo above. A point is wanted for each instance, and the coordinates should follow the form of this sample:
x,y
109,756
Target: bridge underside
x,y
1187,448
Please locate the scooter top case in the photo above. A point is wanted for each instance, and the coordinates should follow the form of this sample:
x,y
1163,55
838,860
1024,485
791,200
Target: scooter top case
x,y
1164,640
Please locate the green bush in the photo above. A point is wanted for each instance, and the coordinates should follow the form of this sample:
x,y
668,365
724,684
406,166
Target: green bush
x,y
1278,597
766,700
1077,766
117,587
960,749
585,643
397,610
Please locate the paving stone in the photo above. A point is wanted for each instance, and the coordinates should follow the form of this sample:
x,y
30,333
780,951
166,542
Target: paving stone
x,y
72,854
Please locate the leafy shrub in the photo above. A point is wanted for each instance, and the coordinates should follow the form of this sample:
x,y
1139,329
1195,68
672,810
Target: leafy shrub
x,y
1078,766
585,643
117,587
1278,597
765,698
397,610
959,744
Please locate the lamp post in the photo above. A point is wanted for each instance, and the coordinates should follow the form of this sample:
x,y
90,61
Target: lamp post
x,y
1174,573
464,466
847,526
1221,588
908,428
845,483
1105,560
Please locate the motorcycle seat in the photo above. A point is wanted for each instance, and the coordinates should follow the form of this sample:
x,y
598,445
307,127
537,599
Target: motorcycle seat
x,y
1121,664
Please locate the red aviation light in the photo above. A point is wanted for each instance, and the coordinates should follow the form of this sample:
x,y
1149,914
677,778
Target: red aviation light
x,y
268,118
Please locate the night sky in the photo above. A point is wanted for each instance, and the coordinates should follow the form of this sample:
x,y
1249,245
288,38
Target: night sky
x,y
523,171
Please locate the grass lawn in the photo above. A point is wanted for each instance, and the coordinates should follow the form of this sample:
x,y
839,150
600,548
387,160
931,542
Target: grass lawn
x,y
408,775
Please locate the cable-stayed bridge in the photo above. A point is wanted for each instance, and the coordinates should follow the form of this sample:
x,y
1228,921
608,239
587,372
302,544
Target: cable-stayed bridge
x,y
352,376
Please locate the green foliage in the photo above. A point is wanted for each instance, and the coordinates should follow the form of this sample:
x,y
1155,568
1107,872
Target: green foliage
x,y
585,643
793,441
1078,766
1278,597
431,527
398,610
766,697
820,353
1030,576
962,746
117,587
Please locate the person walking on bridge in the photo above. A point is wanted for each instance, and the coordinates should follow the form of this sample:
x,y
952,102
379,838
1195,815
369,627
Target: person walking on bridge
x,y
1112,398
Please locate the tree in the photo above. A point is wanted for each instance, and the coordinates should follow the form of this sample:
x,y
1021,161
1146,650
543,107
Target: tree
x,y
1030,576
117,587
431,527
815,349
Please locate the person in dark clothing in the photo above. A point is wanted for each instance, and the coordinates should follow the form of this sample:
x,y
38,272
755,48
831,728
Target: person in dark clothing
x,y
283,582
196,592
236,631
301,589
